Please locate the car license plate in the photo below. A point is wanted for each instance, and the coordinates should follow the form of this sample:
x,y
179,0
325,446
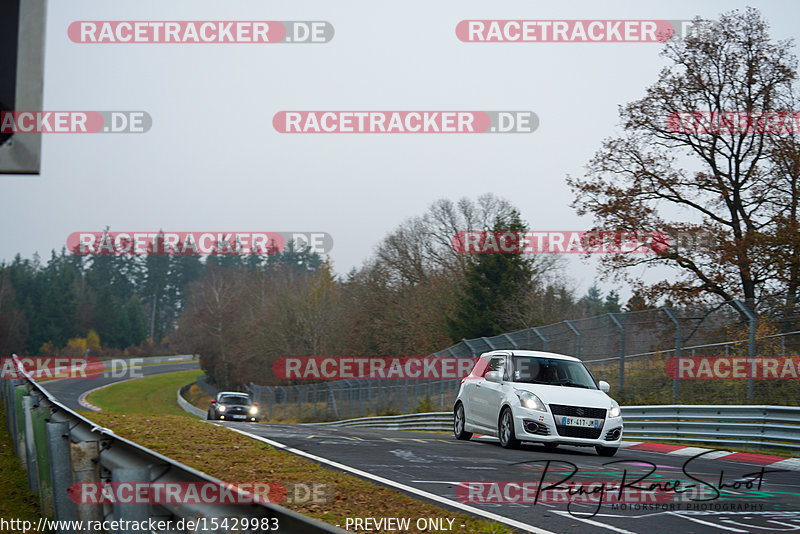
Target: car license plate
x,y
584,422
240,417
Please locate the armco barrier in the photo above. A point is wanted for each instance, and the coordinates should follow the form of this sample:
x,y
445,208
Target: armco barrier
x,y
58,447
761,427
432,422
187,406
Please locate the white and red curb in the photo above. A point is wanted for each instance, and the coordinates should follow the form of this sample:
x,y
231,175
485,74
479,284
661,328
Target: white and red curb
x,y
780,462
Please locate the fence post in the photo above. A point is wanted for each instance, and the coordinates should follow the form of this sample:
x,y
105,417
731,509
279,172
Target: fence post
x,y
31,463
85,462
39,417
314,392
136,511
678,341
621,350
60,474
751,346
544,339
578,340
511,341
20,392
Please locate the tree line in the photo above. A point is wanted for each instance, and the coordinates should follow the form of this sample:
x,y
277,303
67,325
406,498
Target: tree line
x,y
733,192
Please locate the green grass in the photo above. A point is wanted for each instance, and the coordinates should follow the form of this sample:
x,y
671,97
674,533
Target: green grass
x,y
145,396
145,411
16,502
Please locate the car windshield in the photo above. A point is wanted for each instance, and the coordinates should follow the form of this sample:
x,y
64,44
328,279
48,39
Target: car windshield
x,y
551,371
234,399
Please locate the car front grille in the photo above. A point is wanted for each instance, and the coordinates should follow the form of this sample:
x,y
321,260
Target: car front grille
x,y
578,411
578,432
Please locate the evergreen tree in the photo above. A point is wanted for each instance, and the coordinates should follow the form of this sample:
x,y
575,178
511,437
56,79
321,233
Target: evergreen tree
x,y
592,302
136,322
491,283
611,304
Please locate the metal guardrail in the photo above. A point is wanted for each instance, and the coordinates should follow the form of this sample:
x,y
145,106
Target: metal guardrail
x,y
760,427
59,447
432,421
187,406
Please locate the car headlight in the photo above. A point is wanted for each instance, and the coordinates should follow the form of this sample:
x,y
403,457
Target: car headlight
x,y
529,400
614,411
253,410
221,407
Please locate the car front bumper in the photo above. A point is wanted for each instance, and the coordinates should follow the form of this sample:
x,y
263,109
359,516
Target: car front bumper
x,y
238,418
533,425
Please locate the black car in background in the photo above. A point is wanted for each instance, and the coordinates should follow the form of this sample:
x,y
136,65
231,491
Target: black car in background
x,y
233,406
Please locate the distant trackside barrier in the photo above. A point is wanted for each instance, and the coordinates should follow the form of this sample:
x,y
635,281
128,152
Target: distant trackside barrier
x,y
59,448
759,427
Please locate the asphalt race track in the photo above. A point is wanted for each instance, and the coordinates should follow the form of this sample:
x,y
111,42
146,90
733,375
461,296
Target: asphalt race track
x,y
431,466
436,463
68,391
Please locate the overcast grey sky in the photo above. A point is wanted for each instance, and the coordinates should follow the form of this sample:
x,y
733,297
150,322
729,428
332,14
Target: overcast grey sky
x,y
212,160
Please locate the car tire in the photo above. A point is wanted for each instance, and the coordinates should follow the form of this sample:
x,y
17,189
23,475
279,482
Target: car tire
x,y
208,416
459,422
505,430
606,451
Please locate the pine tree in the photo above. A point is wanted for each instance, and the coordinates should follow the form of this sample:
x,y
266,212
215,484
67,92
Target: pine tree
x,y
491,283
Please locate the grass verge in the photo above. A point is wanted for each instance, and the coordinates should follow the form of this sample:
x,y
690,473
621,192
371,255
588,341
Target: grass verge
x,y
145,396
238,459
197,397
16,502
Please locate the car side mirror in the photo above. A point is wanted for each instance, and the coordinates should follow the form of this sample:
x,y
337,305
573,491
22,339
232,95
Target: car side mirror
x,y
494,376
213,402
255,404
604,387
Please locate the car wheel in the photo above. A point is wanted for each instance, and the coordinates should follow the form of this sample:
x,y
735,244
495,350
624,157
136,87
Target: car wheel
x,y
208,416
551,446
458,423
606,451
505,430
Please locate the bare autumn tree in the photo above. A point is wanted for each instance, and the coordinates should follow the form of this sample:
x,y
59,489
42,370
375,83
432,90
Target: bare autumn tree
x,y
211,323
784,242
728,187
423,245
396,303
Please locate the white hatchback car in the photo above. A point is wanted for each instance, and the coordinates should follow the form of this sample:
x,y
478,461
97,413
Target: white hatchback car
x,y
522,395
